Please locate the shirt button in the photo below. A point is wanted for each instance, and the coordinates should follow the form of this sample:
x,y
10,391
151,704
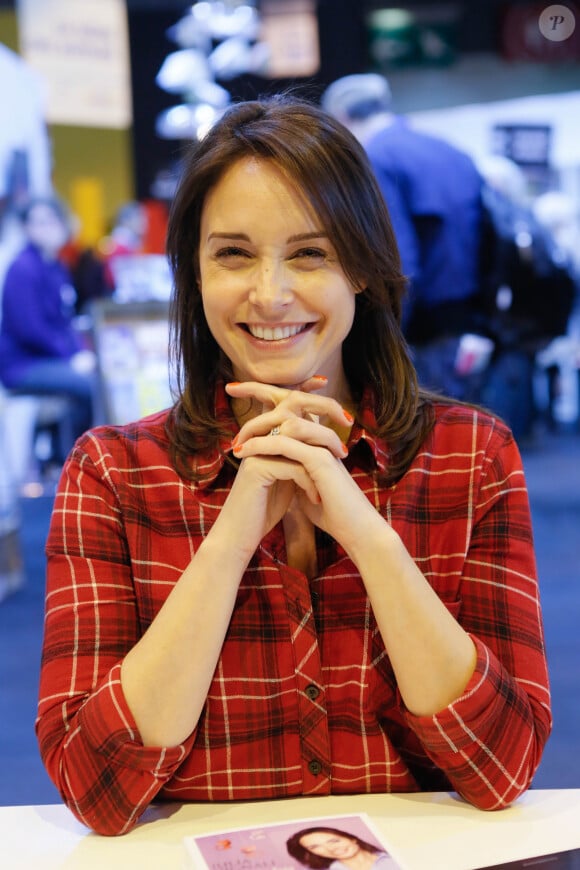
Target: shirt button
x,y
312,692
315,767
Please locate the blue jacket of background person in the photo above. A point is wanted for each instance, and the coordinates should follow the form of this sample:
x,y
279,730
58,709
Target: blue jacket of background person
x,y
433,193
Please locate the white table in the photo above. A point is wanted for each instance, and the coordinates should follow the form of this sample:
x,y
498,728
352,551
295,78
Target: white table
x,y
431,831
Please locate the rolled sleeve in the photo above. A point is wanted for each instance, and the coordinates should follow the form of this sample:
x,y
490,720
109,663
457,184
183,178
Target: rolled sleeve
x,y
489,764
104,773
108,726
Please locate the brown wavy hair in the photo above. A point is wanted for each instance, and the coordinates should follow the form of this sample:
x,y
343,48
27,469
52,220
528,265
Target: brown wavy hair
x,y
324,160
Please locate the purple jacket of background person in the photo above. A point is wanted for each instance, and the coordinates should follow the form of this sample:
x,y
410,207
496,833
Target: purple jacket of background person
x,y
36,315
41,353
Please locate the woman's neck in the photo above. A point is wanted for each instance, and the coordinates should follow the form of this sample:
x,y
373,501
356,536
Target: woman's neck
x,y
363,860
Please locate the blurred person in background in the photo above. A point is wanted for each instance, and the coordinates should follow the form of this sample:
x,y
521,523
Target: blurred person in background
x,y
432,191
559,213
528,291
88,270
25,149
40,350
125,239
503,175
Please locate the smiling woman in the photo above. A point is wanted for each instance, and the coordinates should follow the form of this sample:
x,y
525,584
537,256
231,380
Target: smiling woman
x,y
350,606
275,296
321,848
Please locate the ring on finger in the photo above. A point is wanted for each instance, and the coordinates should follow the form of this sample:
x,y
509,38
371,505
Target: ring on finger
x,y
275,430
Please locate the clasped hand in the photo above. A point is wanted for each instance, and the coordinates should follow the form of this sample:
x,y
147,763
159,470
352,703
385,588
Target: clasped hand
x,y
301,463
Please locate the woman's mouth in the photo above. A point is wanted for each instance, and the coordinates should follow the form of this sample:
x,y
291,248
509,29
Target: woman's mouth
x,y
275,333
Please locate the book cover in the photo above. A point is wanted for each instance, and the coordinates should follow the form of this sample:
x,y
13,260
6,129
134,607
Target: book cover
x,y
337,842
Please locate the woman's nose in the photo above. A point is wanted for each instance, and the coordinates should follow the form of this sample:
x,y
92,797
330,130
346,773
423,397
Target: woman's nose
x,y
271,288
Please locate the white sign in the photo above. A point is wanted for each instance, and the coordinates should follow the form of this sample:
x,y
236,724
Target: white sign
x,y
81,50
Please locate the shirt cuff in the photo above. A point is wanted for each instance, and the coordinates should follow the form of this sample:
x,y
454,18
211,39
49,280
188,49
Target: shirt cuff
x,y
457,726
108,725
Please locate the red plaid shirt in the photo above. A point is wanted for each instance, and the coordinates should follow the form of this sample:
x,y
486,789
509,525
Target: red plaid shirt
x,y
303,699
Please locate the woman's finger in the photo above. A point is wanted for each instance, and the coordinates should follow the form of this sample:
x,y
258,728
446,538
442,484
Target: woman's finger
x,y
270,425
272,469
278,444
270,394
291,402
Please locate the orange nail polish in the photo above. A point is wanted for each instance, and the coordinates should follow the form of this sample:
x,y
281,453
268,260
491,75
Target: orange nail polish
x,y
233,384
348,416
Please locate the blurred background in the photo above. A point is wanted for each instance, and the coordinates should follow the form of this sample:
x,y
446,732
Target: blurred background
x,y
98,100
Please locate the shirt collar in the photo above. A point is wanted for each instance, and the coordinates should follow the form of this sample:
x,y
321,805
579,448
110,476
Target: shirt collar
x,y
210,464
363,433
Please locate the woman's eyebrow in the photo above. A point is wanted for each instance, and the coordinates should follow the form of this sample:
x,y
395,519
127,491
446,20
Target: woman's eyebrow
x,y
302,237
243,237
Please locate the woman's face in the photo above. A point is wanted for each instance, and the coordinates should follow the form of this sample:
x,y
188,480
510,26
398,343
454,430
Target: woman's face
x,y
275,296
327,845
46,229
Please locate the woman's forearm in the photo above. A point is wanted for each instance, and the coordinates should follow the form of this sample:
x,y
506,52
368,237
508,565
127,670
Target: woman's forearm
x,y
166,676
432,656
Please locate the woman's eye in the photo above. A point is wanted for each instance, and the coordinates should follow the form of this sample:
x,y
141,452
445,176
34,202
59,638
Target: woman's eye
x,y
309,254
231,251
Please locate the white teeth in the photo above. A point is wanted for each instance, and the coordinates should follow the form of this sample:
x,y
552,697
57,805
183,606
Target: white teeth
x,y
277,333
